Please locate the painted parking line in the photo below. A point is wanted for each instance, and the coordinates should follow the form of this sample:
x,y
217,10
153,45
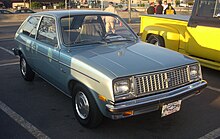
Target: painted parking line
x,y
6,50
9,64
212,135
6,39
213,88
22,122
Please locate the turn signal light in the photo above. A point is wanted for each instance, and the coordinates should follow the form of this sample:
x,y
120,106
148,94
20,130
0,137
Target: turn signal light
x,y
128,113
102,98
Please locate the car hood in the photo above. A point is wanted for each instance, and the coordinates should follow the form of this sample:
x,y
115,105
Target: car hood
x,y
124,59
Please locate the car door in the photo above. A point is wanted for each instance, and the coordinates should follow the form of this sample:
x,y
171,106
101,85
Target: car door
x,y
26,37
204,30
47,50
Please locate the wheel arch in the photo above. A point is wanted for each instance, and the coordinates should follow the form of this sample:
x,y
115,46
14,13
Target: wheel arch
x,y
170,35
100,104
20,53
159,38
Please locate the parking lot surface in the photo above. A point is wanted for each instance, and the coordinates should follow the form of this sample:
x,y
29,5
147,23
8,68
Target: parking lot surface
x,y
38,110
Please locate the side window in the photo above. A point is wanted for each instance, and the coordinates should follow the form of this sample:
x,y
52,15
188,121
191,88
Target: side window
x,y
47,31
209,8
205,13
6,12
30,27
29,11
217,9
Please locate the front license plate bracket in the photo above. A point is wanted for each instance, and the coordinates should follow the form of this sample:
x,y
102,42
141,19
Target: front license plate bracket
x,y
170,108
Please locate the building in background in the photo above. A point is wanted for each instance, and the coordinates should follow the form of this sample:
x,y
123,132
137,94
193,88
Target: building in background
x,y
26,3
20,3
86,3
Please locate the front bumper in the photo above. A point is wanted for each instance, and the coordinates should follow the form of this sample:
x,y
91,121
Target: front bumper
x,y
15,51
153,102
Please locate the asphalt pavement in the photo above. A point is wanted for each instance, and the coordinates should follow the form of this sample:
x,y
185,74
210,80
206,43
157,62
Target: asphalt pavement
x,y
37,109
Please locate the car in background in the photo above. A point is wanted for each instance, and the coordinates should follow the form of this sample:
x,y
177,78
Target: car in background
x,y
106,72
24,11
132,10
196,35
3,11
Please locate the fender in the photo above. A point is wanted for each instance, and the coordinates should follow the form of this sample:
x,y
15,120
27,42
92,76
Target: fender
x,y
170,35
101,104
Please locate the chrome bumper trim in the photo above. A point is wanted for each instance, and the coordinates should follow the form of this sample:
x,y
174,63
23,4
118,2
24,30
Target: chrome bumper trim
x,y
158,99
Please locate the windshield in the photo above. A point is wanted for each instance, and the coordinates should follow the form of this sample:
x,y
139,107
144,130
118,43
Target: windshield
x,y
77,30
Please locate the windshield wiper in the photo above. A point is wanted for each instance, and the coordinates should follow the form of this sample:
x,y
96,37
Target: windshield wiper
x,y
119,40
85,42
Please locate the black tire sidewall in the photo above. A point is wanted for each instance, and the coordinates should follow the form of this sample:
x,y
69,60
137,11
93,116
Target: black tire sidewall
x,y
76,89
29,76
154,38
94,113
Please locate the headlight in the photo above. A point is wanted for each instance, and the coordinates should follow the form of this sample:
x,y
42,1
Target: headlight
x,y
195,72
121,87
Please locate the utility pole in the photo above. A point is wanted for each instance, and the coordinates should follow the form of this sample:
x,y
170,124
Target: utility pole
x,y
102,5
30,4
65,4
129,11
24,3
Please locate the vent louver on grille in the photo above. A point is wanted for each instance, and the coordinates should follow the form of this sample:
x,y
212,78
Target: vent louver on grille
x,y
161,81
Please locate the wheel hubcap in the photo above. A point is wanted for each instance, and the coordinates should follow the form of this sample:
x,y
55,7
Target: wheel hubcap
x,y
23,67
82,105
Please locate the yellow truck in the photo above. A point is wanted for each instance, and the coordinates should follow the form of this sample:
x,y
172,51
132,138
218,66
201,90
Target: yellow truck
x,y
197,35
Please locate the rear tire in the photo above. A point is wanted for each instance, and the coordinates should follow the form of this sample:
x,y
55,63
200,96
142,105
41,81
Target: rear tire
x,y
26,70
85,108
156,40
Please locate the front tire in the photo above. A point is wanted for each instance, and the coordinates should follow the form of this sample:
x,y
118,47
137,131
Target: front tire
x,y
26,70
156,40
85,108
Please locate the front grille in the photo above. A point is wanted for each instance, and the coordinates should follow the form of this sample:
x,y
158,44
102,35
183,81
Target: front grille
x,y
161,81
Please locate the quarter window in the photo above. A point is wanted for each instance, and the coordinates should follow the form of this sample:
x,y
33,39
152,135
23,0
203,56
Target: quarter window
x,y
47,31
30,27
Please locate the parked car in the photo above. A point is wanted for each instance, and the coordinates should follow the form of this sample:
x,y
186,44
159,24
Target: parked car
x,y
196,35
132,10
111,74
3,11
24,11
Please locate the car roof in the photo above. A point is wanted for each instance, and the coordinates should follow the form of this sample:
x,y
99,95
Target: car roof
x,y
63,13
5,10
24,9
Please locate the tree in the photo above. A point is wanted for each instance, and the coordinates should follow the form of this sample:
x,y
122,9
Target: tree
x,y
61,4
177,2
36,5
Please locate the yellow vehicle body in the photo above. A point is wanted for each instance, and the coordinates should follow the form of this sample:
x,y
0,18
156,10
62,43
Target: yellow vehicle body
x,y
199,42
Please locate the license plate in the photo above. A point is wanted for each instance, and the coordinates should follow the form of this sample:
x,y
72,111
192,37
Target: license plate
x,y
171,108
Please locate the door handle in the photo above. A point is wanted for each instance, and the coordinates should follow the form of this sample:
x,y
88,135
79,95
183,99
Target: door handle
x,y
33,46
62,70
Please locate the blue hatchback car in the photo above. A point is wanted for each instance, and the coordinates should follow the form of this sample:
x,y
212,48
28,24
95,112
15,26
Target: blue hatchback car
x,y
95,58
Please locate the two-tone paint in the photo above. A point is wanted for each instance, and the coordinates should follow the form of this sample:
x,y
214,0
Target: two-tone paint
x,y
97,65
